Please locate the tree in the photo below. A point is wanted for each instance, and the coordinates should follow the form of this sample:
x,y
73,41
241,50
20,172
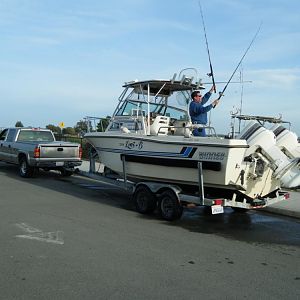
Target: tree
x,y
19,124
69,131
82,126
55,129
103,123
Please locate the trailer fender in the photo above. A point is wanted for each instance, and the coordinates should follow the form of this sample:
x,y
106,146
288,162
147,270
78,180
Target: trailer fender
x,y
159,188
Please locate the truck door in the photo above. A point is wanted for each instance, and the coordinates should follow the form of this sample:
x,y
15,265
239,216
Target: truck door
x,y
10,140
3,149
6,141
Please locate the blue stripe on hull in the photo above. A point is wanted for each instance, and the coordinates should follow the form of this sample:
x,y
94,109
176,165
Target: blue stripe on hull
x,y
186,153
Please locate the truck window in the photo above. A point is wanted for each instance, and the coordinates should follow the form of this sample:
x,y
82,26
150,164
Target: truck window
x,y
37,136
11,135
3,134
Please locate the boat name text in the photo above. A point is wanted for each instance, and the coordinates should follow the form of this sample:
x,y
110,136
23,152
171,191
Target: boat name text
x,y
211,155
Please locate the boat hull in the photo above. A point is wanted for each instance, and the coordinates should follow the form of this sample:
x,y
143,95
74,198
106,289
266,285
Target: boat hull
x,y
175,160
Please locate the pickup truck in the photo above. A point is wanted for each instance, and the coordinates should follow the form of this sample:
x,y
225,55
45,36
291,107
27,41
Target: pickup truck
x,y
34,148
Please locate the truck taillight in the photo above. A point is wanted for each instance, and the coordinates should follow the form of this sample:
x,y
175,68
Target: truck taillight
x,y
218,201
80,152
37,152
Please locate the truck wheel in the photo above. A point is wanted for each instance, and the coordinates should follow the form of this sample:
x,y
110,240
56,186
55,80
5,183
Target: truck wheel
x,y
66,173
25,170
169,206
144,200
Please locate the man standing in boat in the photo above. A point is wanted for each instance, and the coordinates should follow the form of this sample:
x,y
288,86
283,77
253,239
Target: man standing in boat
x,y
198,111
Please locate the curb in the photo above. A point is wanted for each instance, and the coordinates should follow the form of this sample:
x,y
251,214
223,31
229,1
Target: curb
x,y
282,211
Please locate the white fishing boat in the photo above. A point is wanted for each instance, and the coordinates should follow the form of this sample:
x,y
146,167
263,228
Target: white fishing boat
x,y
150,136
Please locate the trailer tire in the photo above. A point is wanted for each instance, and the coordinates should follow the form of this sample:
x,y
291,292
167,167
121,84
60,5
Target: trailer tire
x,y
25,170
169,206
144,200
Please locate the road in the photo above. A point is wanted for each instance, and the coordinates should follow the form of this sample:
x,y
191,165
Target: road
x,y
74,238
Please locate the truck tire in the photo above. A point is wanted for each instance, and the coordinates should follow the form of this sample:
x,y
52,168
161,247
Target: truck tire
x,y
25,170
144,200
169,206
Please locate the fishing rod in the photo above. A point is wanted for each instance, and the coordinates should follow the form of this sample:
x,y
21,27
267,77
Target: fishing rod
x,y
211,74
221,93
219,82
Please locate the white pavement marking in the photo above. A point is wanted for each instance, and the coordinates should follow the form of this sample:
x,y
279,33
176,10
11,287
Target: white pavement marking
x,y
37,234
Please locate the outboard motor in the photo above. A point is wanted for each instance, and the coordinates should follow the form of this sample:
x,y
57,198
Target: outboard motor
x,y
263,141
287,141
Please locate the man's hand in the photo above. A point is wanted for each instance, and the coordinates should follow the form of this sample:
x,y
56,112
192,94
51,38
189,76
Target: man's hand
x,y
215,103
213,89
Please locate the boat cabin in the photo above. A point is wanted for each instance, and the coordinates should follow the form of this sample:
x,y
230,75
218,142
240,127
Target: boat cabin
x,y
155,107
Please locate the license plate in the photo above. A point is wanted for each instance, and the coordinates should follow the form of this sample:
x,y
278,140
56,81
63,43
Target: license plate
x,y
217,209
59,163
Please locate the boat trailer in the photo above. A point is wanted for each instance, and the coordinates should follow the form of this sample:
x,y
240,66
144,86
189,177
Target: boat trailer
x,y
170,199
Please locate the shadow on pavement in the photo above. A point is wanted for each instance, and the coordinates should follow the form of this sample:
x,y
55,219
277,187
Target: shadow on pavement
x,y
252,227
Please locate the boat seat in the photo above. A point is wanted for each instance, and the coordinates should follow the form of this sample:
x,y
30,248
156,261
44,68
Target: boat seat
x,y
160,125
182,128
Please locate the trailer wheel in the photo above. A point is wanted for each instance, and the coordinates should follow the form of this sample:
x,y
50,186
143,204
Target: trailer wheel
x,y
25,170
169,206
144,200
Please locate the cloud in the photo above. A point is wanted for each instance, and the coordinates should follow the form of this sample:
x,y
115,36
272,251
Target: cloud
x,y
77,54
286,79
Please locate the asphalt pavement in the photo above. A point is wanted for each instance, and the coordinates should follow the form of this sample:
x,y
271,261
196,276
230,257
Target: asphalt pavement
x,y
289,207
76,238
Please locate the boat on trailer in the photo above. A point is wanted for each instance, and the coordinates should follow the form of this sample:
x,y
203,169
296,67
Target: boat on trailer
x,y
149,137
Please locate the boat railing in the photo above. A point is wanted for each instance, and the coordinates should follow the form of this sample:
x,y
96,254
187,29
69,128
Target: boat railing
x,y
127,124
185,131
161,125
211,130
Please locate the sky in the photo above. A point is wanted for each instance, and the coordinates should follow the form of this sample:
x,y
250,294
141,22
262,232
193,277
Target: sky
x,y
62,60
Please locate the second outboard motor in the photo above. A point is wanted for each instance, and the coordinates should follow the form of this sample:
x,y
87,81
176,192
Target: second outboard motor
x,y
287,141
262,140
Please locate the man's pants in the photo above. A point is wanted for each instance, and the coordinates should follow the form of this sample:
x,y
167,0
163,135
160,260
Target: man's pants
x,y
199,132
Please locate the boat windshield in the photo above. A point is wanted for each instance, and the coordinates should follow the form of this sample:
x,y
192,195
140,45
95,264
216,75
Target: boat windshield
x,y
174,106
